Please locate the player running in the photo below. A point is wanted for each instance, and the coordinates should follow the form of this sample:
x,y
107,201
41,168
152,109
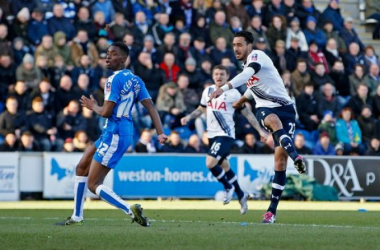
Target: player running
x,y
121,92
221,133
275,110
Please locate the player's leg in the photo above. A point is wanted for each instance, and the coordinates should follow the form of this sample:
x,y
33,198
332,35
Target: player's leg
x,y
80,188
283,137
232,178
278,185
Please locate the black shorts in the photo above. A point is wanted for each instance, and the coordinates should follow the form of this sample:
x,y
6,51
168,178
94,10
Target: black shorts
x,y
287,116
220,147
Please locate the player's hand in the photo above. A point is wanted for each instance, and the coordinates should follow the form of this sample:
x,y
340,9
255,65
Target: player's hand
x,y
184,121
162,138
216,94
263,135
88,102
237,105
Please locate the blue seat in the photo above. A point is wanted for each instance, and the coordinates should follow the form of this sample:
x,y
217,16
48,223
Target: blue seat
x,y
184,132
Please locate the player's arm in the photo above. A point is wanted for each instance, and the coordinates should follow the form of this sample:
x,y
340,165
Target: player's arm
x,y
247,113
195,114
153,113
104,111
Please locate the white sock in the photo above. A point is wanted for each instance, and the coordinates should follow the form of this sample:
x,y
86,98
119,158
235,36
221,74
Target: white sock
x,y
110,197
80,190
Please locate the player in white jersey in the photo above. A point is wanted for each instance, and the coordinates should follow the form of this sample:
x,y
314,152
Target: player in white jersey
x,y
221,133
275,110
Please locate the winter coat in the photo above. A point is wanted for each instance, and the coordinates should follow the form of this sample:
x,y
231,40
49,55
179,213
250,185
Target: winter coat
x,y
274,34
319,150
369,128
301,39
61,24
165,102
36,30
77,51
342,131
350,36
299,80
334,16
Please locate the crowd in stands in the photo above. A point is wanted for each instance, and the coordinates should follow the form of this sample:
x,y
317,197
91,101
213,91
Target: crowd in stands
x,y
53,51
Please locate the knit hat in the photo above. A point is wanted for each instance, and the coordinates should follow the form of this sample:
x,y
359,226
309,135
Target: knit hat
x,y
28,58
311,19
328,112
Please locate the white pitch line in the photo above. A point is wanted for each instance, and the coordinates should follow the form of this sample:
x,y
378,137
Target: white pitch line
x,y
209,222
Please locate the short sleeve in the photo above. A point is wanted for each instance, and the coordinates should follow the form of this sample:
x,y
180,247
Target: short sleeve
x,y
143,94
204,98
255,57
112,89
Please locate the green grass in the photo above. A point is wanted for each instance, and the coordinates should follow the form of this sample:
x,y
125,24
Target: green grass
x,y
190,229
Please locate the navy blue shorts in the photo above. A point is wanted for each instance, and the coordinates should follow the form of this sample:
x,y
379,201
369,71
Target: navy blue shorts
x,y
287,116
220,147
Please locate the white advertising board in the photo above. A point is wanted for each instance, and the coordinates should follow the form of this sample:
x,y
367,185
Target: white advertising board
x,y
9,190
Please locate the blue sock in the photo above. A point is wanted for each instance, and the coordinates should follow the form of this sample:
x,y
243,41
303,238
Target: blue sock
x,y
286,143
220,175
109,196
278,186
80,190
232,178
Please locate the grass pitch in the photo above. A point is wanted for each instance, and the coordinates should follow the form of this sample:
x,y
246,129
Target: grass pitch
x,y
190,229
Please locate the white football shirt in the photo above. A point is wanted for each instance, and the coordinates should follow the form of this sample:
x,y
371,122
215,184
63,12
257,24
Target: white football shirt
x,y
266,86
220,112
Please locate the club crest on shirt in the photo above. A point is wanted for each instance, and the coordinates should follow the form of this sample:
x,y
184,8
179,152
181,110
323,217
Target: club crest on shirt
x,y
254,57
108,86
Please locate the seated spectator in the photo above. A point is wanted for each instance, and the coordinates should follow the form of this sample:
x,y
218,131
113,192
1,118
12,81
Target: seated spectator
x,y
220,50
353,57
205,71
319,77
261,44
70,120
7,72
340,45
19,50
46,49
300,77
82,87
169,67
272,8
183,8
141,27
356,78
236,9
64,92
60,23
307,107
27,143
368,125
199,51
10,143
316,56
332,14
81,141
331,52
28,72
373,149
83,22
255,9
305,10
57,71
194,146
68,146
295,32
348,133
40,124
257,29
41,64
236,24
358,101
299,144
200,29
101,26
370,56
278,57
220,28
11,121
328,125
93,127
323,146
313,33
161,28
328,100
277,30
48,96
250,145
349,35
119,27
184,49
293,54
373,79
190,96
339,149
226,62
85,67
128,39
191,71
170,104
37,27
148,47
376,104
83,46
145,144
340,78
174,145
22,96
106,7
5,45
63,49
19,26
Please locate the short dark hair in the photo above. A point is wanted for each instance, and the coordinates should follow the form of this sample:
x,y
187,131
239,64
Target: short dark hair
x,y
221,67
248,37
124,48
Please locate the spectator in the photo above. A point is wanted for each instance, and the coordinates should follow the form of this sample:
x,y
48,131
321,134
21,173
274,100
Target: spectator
x,y
257,29
329,31
349,34
191,71
46,49
119,27
5,45
168,45
295,32
261,44
356,78
277,30
44,91
42,65
332,14
323,146
82,87
161,28
299,144
10,143
220,50
60,23
101,26
19,27
141,27
183,9
11,121
199,51
68,146
328,125
226,62
307,108
17,5
22,96
278,57
331,52
37,28
179,28
293,54
272,9
19,50
219,28
93,128
250,145
63,49
290,9
106,7
169,68
255,9
170,104
305,10
368,125
353,57
236,9
149,48
373,149
190,96
152,76
128,40
7,72
319,76
174,145
328,101
373,79
124,7
358,101
316,56
340,77
217,5
81,141
313,33
145,144
57,71
194,146
205,71
376,103
82,46
300,77
99,93
85,67
27,143
236,25
348,133
28,72
200,29
40,124
70,120
83,22
370,56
